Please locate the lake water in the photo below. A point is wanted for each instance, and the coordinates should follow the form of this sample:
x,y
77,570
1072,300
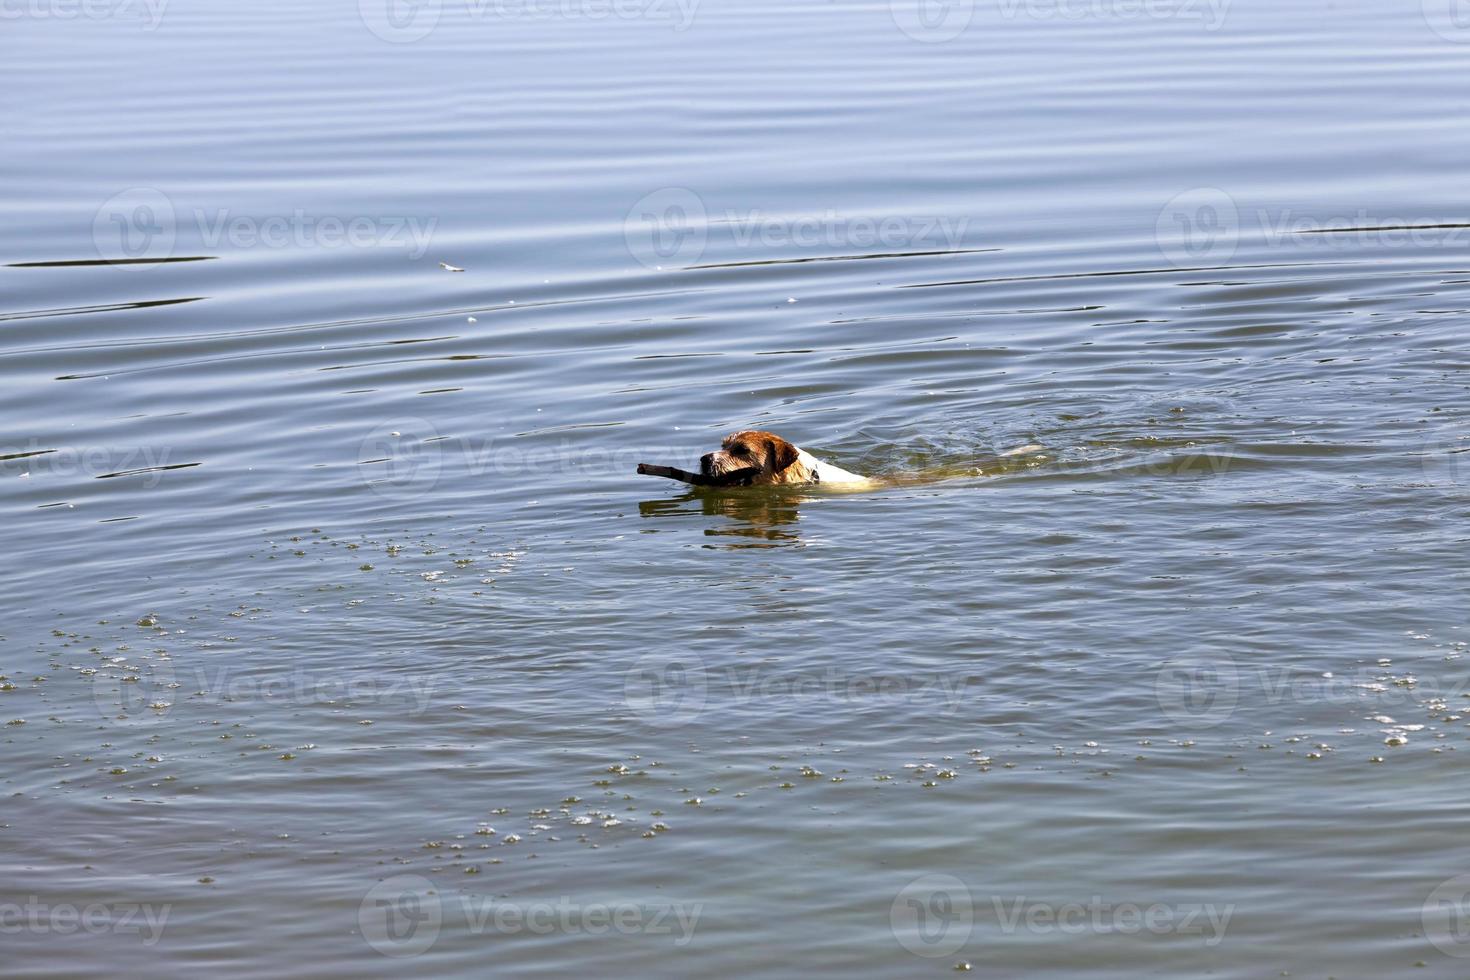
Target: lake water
x,y
341,639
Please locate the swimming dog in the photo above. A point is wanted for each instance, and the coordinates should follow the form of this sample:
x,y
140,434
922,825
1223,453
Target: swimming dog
x,y
776,462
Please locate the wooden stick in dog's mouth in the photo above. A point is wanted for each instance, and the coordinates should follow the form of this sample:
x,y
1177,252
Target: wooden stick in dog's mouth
x,y
735,478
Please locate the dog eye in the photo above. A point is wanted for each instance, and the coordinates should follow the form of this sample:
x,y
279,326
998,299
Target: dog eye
x,y
739,451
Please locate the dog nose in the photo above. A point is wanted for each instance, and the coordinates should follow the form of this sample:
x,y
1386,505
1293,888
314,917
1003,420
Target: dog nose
x,y
706,462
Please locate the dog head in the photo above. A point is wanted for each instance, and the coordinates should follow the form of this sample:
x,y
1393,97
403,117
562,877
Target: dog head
x,y
765,450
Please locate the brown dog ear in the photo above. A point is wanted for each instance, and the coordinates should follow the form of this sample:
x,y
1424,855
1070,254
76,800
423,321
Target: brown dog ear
x,y
782,453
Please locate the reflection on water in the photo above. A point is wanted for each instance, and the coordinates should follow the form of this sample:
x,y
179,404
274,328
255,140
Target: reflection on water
x,y
755,517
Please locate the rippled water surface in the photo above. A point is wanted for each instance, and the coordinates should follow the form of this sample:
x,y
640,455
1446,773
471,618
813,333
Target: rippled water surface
x,y
341,639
